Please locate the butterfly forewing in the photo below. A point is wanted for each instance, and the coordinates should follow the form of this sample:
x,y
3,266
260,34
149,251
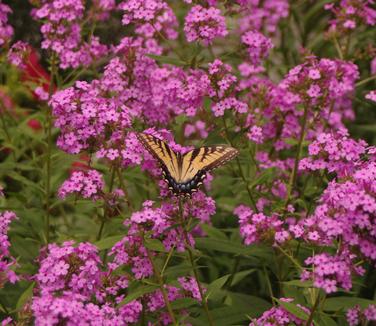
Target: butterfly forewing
x,y
185,173
161,151
205,159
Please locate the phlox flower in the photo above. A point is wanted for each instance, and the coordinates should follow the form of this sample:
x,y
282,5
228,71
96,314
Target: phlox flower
x,y
204,24
258,46
371,96
280,316
262,15
6,31
88,184
150,17
7,262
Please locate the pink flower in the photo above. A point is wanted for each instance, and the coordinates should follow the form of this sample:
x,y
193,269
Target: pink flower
x,y
7,262
314,91
61,30
18,53
279,316
371,96
258,46
6,31
150,17
88,184
204,24
255,134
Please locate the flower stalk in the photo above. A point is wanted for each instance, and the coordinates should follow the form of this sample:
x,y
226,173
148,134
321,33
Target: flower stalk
x,y
48,132
192,262
294,172
161,283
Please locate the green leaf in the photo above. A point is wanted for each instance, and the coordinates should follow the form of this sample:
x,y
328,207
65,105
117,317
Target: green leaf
x,y
168,60
183,303
263,178
344,303
25,296
228,316
138,292
294,309
216,285
253,306
213,232
324,320
241,275
155,244
25,181
232,247
179,270
299,283
109,242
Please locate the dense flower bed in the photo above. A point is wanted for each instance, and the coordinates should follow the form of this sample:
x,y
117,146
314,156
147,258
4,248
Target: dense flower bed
x,y
283,234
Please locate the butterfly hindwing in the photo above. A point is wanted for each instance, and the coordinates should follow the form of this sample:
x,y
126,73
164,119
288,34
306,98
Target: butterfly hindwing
x,y
185,173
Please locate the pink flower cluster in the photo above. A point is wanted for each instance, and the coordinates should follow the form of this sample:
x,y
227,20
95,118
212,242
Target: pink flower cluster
x,y
151,17
349,14
84,112
189,285
188,289
6,31
347,210
223,86
262,15
88,184
356,314
96,115
330,272
61,30
7,262
179,91
17,54
71,287
204,24
258,46
371,96
199,128
257,227
336,152
279,316
322,83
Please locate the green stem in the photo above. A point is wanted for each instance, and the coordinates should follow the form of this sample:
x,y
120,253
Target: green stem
x,y
347,46
315,305
234,270
291,258
122,186
338,47
49,150
228,139
161,284
167,260
365,81
268,284
104,218
3,109
192,262
294,172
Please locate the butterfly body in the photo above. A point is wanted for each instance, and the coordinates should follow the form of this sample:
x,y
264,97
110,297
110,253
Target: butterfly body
x,y
184,173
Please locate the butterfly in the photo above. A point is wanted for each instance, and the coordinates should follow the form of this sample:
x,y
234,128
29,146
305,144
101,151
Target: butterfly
x,y
184,173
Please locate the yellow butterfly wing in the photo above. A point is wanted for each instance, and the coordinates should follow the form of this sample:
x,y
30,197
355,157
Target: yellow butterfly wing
x,y
168,159
185,173
205,159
